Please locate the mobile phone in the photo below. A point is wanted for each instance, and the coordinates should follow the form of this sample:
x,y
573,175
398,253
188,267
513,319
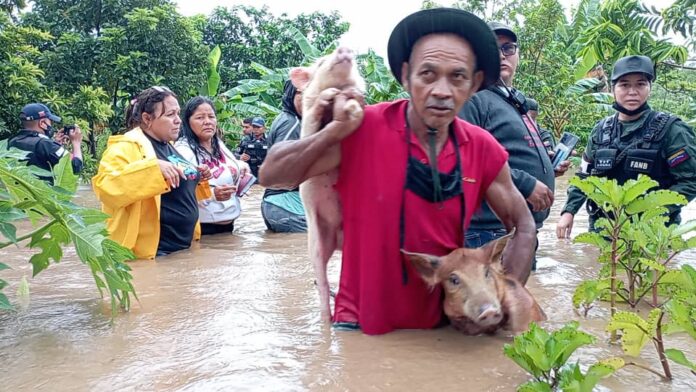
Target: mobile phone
x,y
563,149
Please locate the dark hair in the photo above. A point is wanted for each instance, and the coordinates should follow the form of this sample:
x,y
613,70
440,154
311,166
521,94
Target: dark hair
x,y
289,91
145,103
247,120
190,137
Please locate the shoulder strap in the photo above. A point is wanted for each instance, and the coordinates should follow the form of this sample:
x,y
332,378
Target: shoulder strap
x,y
604,128
510,99
297,123
658,124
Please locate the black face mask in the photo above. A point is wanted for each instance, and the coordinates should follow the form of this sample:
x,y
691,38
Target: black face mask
x,y
50,131
627,112
419,180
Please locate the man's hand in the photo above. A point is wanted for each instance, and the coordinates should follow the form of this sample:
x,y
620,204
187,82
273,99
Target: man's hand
x,y
541,197
346,116
565,225
245,157
562,168
75,136
508,204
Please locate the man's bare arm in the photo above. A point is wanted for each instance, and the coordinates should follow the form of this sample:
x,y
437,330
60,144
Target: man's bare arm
x,y
510,207
290,163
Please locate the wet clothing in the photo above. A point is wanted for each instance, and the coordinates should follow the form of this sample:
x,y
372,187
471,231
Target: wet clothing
x,y
43,151
178,209
129,184
282,209
224,171
256,148
622,150
373,290
279,219
528,158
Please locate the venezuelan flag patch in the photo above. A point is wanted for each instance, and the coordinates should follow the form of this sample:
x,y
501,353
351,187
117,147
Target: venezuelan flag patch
x,y
677,158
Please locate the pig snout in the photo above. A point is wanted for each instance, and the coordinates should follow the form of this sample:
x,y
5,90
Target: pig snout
x,y
489,314
343,55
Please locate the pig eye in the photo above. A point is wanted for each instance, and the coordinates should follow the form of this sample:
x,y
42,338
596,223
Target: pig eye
x,y
454,280
488,272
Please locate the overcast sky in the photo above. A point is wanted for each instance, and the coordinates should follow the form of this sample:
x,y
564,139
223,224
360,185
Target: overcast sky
x,y
371,21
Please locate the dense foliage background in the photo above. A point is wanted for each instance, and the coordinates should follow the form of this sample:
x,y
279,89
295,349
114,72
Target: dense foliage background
x,y
87,59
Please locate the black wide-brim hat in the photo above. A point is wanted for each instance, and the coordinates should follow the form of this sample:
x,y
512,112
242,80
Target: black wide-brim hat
x,y
445,20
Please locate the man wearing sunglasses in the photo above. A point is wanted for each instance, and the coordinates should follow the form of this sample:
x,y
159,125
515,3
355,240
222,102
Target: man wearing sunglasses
x,y
502,111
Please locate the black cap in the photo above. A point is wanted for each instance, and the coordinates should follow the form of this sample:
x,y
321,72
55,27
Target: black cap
x,y
37,111
502,28
633,64
445,20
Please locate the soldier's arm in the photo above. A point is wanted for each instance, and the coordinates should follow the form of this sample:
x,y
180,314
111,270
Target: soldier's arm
x,y
679,151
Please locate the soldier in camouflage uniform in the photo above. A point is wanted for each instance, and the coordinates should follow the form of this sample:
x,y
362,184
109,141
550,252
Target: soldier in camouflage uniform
x,y
636,140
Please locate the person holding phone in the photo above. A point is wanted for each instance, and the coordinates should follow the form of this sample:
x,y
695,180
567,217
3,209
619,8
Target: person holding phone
x,y
45,145
200,144
145,185
503,111
635,140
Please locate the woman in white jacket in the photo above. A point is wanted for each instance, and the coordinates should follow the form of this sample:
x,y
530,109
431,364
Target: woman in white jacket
x,y
199,144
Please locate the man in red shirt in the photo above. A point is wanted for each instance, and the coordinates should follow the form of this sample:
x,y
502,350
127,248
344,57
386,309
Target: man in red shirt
x,y
412,173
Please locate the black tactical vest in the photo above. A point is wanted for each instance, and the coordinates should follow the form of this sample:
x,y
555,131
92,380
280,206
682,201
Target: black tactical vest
x,y
625,158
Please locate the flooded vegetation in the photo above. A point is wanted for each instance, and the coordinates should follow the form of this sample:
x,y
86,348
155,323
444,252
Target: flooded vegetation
x,y
239,312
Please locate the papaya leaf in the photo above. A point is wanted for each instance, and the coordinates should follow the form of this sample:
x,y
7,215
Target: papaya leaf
x,y
64,177
4,302
9,231
636,332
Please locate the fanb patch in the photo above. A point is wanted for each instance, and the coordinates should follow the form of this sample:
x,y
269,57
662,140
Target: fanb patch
x,y
677,158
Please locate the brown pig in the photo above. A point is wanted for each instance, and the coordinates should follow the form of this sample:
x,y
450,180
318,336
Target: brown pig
x,y
319,85
479,297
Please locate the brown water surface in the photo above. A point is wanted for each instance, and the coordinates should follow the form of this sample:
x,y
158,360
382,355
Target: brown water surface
x,y
239,312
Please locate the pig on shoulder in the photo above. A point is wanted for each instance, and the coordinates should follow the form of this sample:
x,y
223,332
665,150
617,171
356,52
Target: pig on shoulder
x,y
479,297
322,81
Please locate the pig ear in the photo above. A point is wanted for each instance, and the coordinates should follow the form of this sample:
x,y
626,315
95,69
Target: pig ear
x,y
300,77
495,248
426,265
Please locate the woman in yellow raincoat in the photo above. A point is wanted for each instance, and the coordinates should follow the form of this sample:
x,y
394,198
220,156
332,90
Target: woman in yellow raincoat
x,y
145,185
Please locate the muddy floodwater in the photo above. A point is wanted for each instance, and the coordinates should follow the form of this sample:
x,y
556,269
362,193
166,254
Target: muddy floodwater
x,y
239,313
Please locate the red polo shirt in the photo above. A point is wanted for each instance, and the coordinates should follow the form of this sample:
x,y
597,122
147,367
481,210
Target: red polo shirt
x,y
371,185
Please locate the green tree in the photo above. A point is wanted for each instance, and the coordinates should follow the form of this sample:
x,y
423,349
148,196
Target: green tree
x,y
20,75
247,34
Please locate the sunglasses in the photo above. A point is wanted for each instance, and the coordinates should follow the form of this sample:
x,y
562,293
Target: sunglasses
x,y
509,49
